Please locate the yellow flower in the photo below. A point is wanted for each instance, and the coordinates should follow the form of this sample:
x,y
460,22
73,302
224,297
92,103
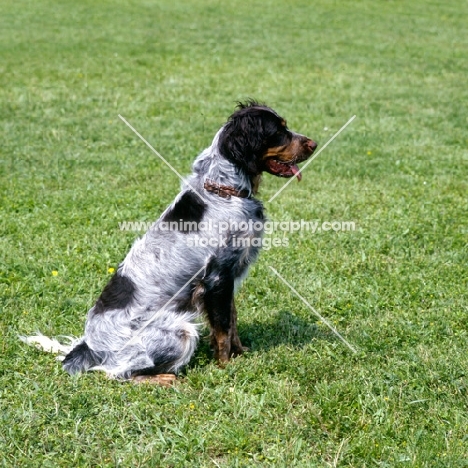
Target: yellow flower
x,y
369,153
110,270
54,272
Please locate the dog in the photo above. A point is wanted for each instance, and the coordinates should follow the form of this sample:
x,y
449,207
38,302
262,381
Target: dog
x,y
144,325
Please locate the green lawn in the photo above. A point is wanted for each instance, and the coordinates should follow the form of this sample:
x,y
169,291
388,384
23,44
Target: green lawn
x,y
395,288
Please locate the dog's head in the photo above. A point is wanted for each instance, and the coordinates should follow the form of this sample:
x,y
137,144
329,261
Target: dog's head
x,y
257,139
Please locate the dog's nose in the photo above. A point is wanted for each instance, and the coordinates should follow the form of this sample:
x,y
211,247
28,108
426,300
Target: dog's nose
x,y
311,145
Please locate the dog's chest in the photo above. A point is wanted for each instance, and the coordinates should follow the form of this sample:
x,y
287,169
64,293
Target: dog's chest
x,y
245,232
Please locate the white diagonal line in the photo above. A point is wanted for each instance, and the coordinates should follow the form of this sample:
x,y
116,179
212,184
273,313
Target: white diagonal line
x,y
161,157
329,325
311,159
165,305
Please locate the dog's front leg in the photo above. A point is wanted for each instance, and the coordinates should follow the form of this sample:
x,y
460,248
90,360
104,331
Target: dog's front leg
x,y
218,301
236,346
220,335
224,339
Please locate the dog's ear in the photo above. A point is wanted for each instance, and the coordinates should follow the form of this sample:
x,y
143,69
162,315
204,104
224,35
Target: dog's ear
x,y
241,141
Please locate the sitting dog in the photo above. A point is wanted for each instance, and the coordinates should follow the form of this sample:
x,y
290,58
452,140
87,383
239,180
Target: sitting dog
x,y
143,326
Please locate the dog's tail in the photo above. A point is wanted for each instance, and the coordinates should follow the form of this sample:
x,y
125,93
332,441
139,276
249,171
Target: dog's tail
x,y
81,359
50,345
76,356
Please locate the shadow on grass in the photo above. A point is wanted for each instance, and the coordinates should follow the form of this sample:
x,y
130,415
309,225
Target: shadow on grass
x,y
282,329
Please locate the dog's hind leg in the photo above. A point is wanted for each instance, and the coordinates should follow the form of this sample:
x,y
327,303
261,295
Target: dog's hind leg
x,y
167,344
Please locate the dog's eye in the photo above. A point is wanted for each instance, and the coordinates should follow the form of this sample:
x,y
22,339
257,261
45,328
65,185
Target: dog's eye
x,y
279,138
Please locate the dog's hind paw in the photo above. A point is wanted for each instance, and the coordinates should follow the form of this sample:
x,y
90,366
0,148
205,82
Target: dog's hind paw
x,y
165,380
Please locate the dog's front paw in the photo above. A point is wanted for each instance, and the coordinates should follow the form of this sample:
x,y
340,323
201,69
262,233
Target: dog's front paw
x,y
238,350
222,356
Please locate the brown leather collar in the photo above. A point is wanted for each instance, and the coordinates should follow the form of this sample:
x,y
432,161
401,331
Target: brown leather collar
x,y
224,191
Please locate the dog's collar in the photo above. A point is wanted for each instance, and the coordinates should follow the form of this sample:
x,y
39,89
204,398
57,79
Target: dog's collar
x,y
224,191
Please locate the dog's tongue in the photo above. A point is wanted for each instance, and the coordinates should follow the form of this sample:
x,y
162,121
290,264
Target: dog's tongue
x,y
296,172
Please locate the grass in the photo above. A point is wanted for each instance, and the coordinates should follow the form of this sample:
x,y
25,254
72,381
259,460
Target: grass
x,y
396,288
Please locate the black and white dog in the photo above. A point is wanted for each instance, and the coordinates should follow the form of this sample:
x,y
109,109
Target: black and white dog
x,y
143,326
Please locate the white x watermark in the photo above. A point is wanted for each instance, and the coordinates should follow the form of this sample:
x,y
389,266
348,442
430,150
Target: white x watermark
x,y
271,268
